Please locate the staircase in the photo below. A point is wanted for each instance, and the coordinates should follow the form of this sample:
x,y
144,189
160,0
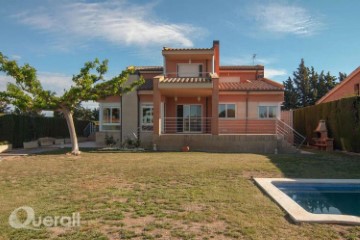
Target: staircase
x,y
288,139
90,131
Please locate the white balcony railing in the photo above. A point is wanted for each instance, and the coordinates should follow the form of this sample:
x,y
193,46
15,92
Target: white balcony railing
x,y
191,124
247,126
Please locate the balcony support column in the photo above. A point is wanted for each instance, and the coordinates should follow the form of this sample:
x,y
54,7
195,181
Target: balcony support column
x,y
157,107
215,106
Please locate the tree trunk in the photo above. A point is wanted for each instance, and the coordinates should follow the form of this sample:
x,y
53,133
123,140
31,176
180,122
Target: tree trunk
x,y
71,126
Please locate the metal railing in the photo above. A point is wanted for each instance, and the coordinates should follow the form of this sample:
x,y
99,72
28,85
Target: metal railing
x,y
90,128
187,125
247,126
289,134
188,74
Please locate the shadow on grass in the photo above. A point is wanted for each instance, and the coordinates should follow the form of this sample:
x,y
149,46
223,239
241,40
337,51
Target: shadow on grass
x,y
318,165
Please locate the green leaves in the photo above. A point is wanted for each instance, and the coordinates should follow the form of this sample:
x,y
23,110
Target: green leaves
x,y
89,84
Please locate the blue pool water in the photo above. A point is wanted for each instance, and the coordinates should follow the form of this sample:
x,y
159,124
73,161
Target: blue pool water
x,y
322,198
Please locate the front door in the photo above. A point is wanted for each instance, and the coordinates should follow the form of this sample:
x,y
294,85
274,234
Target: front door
x,y
189,118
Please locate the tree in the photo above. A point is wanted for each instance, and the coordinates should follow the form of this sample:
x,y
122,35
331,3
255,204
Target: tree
x,y
302,83
81,113
330,81
314,86
3,107
342,76
28,94
290,95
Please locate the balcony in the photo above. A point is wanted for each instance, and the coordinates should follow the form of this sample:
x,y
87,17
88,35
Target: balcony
x,y
187,125
203,125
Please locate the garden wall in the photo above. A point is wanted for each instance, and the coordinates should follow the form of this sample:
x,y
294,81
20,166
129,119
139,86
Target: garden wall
x,y
17,129
342,119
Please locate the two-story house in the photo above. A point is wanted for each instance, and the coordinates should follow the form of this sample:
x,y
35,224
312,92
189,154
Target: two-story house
x,y
193,100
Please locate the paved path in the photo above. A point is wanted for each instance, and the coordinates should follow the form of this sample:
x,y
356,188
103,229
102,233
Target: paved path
x,y
22,151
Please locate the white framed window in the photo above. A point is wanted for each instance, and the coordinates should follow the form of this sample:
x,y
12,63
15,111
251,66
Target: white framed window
x,y
110,116
227,110
268,112
146,113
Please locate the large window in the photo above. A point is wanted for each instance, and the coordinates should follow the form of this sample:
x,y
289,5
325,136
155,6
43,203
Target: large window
x,y
227,110
110,117
146,117
267,111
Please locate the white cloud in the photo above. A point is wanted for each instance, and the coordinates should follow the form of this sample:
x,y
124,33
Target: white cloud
x,y
55,82
271,72
285,19
118,22
15,57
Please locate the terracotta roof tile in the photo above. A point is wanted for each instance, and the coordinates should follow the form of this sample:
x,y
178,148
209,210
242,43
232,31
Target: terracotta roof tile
x,y
186,80
253,85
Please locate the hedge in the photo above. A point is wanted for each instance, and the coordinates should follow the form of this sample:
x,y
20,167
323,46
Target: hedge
x,y
342,119
17,129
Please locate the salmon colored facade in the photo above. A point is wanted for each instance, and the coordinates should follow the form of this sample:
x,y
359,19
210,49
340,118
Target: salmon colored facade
x,y
347,88
193,94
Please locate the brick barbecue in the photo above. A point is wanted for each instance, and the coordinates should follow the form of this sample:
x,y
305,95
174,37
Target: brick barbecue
x,y
322,141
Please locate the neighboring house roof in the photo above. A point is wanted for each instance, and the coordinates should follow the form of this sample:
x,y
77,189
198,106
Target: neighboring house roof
x,y
340,85
237,67
186,80
253,85
148,68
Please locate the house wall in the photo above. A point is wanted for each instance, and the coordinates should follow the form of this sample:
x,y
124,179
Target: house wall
x,y
146,98
218,143
100,137
111,99
130,112
346,89
247,119
150,75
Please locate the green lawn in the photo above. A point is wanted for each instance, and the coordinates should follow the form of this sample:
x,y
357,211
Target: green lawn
x,y
164,195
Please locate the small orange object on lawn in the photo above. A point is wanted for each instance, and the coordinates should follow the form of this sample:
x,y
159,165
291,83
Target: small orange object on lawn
x,y
185,149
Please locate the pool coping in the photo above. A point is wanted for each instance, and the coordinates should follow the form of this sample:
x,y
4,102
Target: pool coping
x,y
296,212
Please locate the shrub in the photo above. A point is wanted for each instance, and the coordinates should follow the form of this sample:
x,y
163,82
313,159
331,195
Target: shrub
x,y
342,119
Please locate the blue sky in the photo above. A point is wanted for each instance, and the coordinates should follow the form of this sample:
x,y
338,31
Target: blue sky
x,y
57,37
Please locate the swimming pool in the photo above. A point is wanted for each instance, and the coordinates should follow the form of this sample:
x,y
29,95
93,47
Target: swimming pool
x,y
316,200
324,198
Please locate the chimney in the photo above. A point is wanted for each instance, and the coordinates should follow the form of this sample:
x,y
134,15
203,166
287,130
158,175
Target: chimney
x,y
216,47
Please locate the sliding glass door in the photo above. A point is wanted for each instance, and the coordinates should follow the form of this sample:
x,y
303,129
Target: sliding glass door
x,y
189,118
